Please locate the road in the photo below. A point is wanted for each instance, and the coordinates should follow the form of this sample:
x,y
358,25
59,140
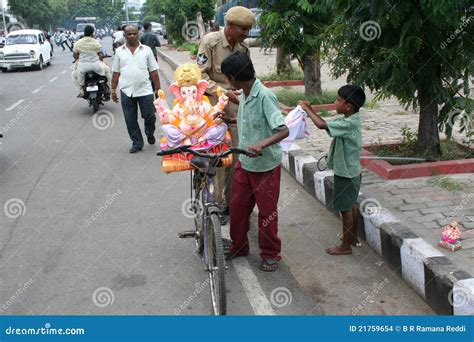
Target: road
x,y
89,229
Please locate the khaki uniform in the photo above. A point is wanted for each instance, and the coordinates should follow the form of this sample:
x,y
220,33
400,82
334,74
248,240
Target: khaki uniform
x,y
213,49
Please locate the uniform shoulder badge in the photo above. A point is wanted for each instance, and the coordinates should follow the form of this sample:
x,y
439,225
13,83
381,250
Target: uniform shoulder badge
x,y
202,59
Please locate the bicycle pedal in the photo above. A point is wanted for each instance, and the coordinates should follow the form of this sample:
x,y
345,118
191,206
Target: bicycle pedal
x,y
187,234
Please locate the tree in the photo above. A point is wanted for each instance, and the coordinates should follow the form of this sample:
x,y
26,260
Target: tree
x,y
180,15
35,13
414,50
296,27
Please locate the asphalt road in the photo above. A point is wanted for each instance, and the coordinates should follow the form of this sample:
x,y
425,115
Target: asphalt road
x,y
88,228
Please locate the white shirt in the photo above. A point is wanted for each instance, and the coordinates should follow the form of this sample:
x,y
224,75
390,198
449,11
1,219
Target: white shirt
x,y
119,37
135,70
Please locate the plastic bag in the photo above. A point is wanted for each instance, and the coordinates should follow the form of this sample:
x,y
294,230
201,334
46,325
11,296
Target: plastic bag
x,y
297,124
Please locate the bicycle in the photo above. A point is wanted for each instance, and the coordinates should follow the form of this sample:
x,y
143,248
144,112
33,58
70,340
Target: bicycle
x,y
206,221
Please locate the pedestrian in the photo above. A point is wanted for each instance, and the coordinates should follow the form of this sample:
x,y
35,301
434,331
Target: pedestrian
x,y
134,65
119,38
213,49
64,41
256,180
150,39
344,159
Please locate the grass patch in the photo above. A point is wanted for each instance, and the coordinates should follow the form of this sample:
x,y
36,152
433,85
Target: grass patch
x,y
191,47
374,105
291,97
296,74
444,183
450,151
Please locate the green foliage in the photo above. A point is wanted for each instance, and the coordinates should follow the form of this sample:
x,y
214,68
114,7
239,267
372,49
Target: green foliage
x,y
373,104
407,53
35,13
109,13
151,18
291,97
295,74
177,11
444,183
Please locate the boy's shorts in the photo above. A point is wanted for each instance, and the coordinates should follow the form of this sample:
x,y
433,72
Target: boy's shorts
x,y
346,191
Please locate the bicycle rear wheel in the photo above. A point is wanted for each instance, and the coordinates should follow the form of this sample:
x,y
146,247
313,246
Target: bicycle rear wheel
x,y
216,266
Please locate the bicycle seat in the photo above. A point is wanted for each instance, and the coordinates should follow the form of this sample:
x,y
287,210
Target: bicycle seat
x,y
200,163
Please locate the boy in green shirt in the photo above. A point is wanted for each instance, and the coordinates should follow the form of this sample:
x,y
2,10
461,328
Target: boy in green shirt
x,y
256,181
344,159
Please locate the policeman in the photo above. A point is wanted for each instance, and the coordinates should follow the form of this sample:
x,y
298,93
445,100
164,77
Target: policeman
x,y
213,49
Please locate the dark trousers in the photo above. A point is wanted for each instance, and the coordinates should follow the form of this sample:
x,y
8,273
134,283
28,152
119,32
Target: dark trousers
x,y
130,112
67,44
248,189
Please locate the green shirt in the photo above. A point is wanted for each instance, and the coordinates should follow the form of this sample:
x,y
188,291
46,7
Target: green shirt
x,y
344,153
258,118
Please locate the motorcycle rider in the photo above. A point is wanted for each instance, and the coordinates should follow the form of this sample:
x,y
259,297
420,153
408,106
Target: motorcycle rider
x,y
88,57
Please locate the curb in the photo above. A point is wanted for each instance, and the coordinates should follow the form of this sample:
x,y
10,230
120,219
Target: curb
x,y
441,284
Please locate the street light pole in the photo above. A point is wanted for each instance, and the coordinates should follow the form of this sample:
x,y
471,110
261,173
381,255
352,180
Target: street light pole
x,y
126,11
4,21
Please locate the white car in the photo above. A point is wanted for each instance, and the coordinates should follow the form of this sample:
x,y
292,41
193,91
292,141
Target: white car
x,y
25,48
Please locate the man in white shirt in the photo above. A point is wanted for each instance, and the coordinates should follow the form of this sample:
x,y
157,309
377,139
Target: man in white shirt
x,y
134,64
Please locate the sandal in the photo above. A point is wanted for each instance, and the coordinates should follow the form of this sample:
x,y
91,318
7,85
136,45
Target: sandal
x,y
269,265
338,251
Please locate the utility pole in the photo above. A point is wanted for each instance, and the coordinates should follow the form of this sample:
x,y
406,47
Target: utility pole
x,y
4,21
126,12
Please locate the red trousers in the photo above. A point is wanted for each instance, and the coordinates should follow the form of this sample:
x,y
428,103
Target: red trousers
x,y
248,189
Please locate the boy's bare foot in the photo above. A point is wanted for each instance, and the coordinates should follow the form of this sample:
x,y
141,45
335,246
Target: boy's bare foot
x,y
339,250
354,242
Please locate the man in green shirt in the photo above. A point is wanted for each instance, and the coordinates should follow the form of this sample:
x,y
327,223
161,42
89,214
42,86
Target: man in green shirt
x,y
344,159
256,180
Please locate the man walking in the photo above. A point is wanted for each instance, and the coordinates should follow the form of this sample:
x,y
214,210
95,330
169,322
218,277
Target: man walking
x,y
134,64
213,49
149,38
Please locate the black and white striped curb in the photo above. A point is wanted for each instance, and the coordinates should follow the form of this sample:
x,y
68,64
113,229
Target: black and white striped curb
x,y
445,287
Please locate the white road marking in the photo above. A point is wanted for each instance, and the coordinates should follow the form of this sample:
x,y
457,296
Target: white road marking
x,y
257,298
63,72
14,105
53,79
37,90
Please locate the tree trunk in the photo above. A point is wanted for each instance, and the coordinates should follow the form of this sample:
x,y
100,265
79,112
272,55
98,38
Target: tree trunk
x,y
312,73
428,137
283,62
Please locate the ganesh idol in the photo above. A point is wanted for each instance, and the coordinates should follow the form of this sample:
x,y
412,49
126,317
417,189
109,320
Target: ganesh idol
x,y
191,120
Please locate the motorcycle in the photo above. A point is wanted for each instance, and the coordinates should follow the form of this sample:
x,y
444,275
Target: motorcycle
x,y
96,90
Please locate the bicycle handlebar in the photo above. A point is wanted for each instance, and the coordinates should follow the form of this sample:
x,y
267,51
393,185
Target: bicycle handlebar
x,y
187,148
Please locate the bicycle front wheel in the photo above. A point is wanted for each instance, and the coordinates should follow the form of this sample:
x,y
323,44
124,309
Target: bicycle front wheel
x,y
216,266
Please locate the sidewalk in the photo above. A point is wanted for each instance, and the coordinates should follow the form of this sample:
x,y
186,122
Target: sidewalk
x,y
406,226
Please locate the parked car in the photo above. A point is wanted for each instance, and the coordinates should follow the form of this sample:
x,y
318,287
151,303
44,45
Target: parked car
x,y
25,48
156,28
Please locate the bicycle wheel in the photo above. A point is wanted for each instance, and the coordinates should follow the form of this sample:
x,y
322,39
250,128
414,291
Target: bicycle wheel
x,y
216,266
